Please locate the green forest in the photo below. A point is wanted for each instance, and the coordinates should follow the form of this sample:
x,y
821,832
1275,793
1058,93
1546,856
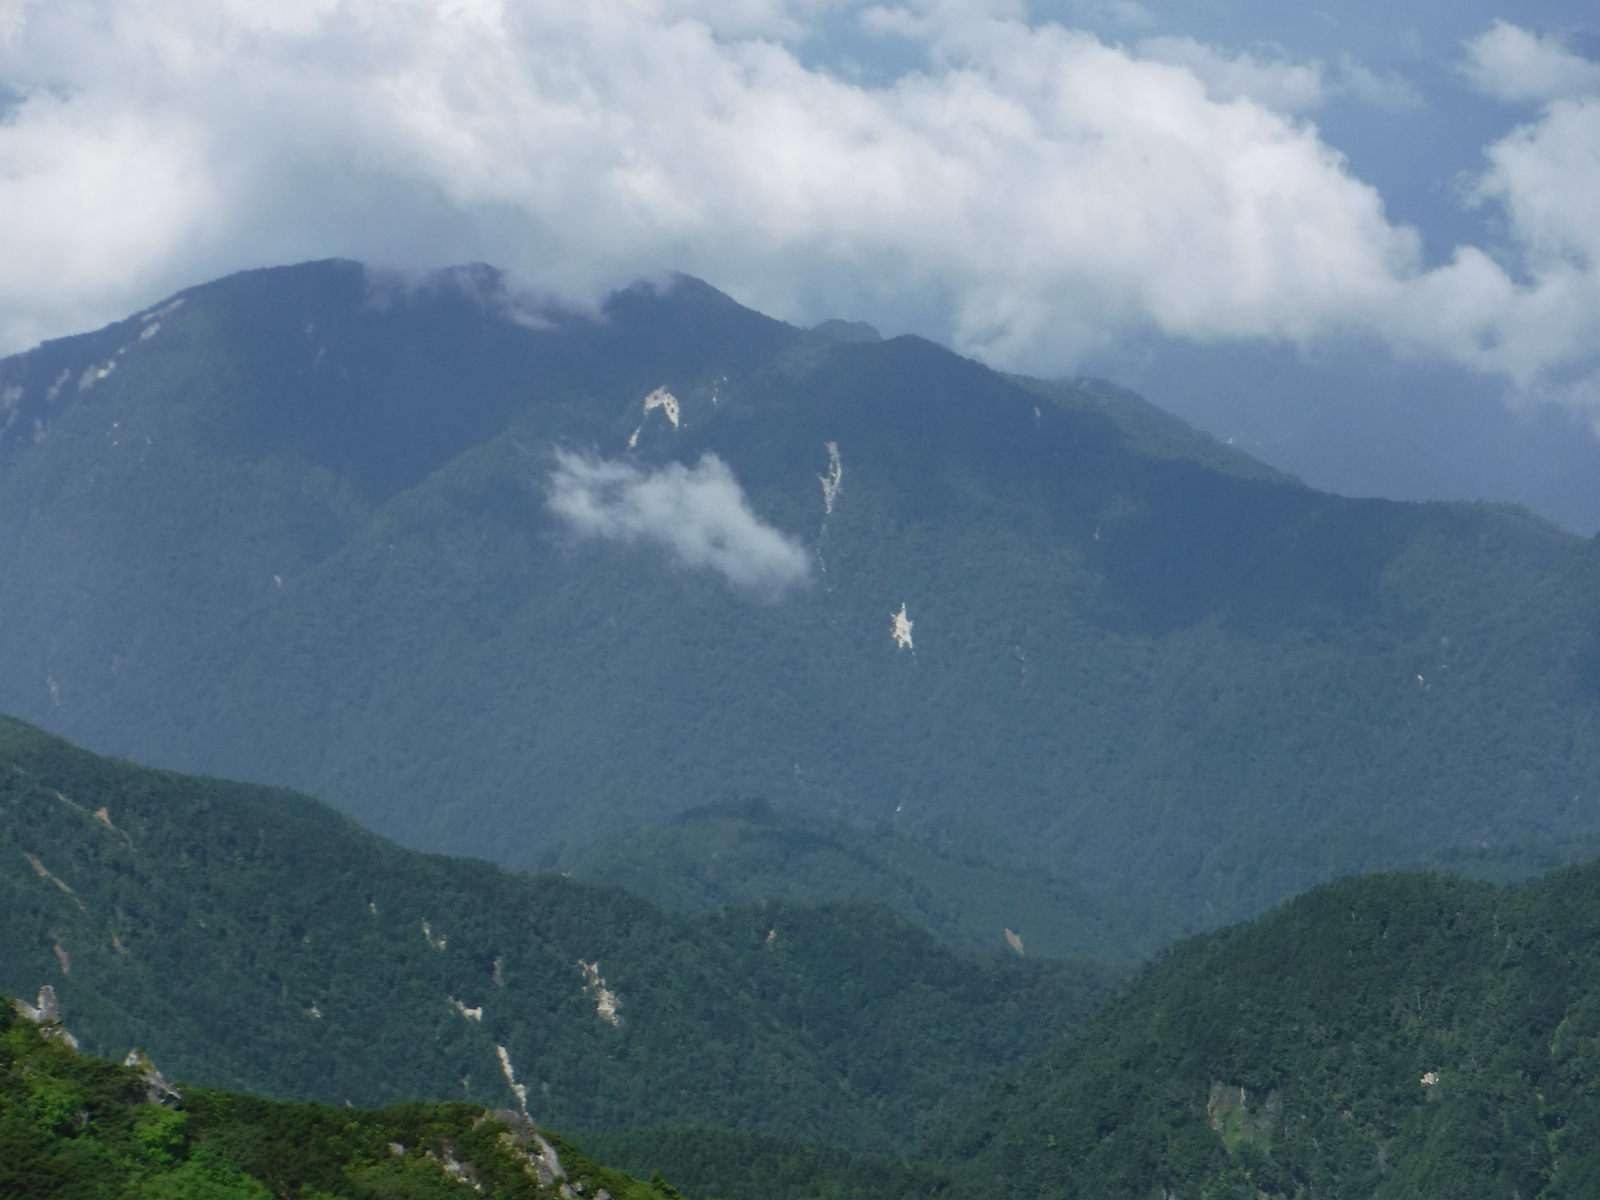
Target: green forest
x,y
734,854
255,939
77,1127
1394,1035
1383,1036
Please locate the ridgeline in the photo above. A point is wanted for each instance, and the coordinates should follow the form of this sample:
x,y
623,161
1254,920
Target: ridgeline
x,y
293,526
255,939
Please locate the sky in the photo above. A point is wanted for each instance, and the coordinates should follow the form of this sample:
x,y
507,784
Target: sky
x,y
1361,241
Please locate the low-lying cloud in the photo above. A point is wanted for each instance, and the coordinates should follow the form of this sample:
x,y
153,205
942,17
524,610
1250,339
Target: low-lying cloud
x,y
1030,196
699,514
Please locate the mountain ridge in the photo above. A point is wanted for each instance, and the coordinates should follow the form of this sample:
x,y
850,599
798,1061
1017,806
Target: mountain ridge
x,y
253,938
73,1125
1380,1036
1186,692
738,853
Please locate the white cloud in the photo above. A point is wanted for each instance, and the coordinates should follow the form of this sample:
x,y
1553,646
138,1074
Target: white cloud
x,y
699,514
1514,64
788,20
11,12
1031,195
96,203
1546,176
1276,83
1386,90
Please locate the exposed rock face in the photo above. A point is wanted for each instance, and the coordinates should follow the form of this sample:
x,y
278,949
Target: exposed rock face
x,y
665,401
900,629
46,1014
457,1168
157,1089
539,1157
605,1000
833,480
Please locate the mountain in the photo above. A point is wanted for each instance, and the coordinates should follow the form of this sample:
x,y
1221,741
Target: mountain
x,y
254,939
300,526
741,1166
73,1125
1381,1036
730,854
1385,1036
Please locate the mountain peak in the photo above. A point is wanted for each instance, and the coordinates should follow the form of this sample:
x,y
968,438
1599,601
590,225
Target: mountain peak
x,y
849,332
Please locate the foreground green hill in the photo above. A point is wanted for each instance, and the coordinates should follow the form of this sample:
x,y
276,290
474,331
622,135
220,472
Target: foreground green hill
x,y
76,1127
255,939
296,529
1387,1036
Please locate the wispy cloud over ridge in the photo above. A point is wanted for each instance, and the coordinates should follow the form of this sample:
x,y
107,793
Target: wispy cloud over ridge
x,y
1030,196
699,514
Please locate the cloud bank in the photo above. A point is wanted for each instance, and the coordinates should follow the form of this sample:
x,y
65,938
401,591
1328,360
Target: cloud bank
x,y
1029,196
699,514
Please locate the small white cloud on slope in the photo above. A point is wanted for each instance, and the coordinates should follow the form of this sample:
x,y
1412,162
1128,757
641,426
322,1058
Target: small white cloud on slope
x,y
699,514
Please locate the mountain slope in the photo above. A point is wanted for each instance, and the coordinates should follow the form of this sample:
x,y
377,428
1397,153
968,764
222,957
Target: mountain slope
x,y
726,854
302,535
722,854
76,1126
744,1166
1384,1036
252,938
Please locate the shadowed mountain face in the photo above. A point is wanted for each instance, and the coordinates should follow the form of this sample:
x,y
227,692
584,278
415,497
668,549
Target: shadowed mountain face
x,y
301,533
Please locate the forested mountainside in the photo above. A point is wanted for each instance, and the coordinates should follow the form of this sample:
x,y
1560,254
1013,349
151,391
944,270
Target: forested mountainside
x,y
744,1166
1384,1036
255,939
77,1127
722,854
296,526
731,854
